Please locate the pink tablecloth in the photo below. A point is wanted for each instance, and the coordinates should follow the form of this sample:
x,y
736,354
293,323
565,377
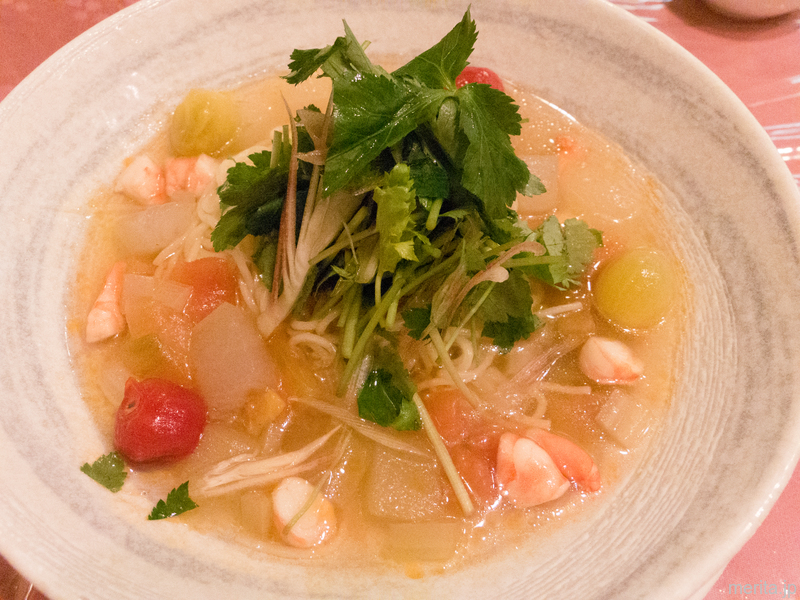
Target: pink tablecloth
x,y
759,61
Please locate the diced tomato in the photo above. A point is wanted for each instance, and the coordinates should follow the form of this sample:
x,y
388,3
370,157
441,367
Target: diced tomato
x,y
479,75
477,471
484,436
158,421
213,282
451,414
471,439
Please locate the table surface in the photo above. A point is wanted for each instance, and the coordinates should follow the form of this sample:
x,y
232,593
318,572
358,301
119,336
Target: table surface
x,y
759,61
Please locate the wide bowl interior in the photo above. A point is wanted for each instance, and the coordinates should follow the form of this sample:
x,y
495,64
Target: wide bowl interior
x,y
730,440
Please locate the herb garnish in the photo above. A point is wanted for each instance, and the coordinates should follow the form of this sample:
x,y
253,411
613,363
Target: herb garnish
x,y
403,207
108,470
387,396
178,501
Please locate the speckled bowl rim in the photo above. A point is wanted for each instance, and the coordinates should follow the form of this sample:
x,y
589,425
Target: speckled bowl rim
x,y
731,439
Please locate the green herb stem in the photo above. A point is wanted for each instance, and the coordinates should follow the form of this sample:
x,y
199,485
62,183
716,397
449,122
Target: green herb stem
x,y
353,311
530,261
347,299
312,497
333,250
276,149
469,315
361,345
433,215
444,356
443,267
444,458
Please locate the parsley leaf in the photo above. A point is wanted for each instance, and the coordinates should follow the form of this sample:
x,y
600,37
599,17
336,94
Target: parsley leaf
x,y
507,333
255,194
178,501
430,178
108,471
386,396
507,311
509,298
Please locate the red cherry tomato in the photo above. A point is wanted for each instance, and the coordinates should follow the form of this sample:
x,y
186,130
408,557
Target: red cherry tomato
x,y
479,75
158,421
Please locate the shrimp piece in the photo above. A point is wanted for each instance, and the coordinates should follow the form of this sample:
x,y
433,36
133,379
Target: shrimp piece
x,y
609,361
316,524
573,462
142,180
189,174
526,473
105,319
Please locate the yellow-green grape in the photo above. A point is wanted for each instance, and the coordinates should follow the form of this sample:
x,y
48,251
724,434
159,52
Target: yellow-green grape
x,y
635,289
205,122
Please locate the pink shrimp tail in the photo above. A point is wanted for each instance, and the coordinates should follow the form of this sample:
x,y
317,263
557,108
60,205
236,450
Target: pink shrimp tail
x,y
106,320
573,462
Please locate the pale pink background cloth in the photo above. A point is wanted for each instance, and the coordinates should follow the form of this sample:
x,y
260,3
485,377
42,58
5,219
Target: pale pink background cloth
x,y
759,61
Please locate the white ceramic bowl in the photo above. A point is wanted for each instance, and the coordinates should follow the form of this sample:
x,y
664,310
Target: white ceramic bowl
x,y
731,437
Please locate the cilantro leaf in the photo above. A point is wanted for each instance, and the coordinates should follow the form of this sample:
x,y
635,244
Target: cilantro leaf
x,y
509,298
490,169
255,195
108,471
439,66
507,333
178,501
417,320
573,243
581,243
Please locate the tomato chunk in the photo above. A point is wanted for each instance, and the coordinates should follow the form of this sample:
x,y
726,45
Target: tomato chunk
x,y
158,421
477,470
471,439
213,282
479,75
451,414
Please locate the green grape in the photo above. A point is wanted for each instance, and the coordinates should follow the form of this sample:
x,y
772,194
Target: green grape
x,y
205,122
635,289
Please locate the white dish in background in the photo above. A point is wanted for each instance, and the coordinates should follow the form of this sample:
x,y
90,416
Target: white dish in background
x,y
730,440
